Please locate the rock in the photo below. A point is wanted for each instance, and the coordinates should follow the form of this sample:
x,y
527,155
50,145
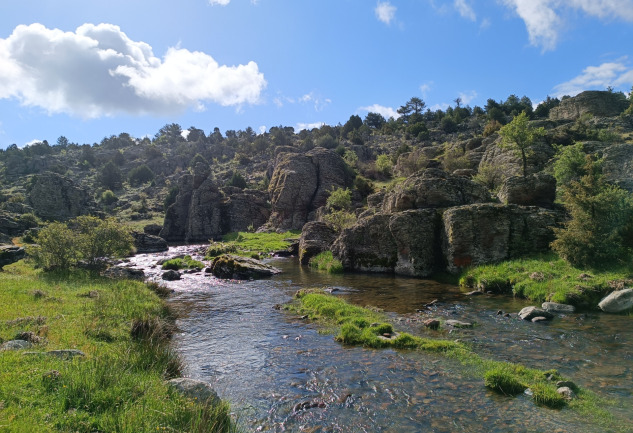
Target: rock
x,y
458,324
195,389
566,383
229,266
566,392
474,293
533,190
618,301
432,323
152,229
10,254
617,165
171,275
301,183
16,345
145,243
122,272
528,313
66,353
56,197
598,103
510,163
539,319
553,307
316,237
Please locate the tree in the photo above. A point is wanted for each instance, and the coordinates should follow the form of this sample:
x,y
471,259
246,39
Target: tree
x,y
374,120
56,247
520,136
413,107
352,124
140,175
384,164
110,176
98,239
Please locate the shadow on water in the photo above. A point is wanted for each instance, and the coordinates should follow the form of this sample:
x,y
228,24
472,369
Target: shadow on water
x,y
281,374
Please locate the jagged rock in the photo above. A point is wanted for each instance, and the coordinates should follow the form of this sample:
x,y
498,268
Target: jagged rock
x,y
121,272
316,237
553,307
16,345
301,183
529,313
617,165
195,390
56,197
618,301
228,266
488,233
433,188
598,103
533,190
145,243
10,254
171,275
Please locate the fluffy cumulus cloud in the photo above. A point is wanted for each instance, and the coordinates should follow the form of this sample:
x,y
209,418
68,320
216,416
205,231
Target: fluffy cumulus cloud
x,y
544,18
614,74
309,126
98,70
386,112
385,12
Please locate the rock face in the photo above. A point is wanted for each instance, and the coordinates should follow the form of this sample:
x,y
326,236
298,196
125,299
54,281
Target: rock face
x,y
509,162
598,103
55,197
204,211
488,233
316,237
617,165
301,183
228,266
534,190
145,243
10,254
618,301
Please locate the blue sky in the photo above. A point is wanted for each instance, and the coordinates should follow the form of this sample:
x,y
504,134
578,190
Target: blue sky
x,y
91,69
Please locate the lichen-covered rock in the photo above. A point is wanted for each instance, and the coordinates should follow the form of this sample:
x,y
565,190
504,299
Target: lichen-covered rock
x,y
598,103
617,165
533,190
316,237
16,345
228,266
144,243
10,254
617,302
56,197
554,307
195,390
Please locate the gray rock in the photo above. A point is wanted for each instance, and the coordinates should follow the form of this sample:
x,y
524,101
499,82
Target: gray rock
x,y
171,275
56,197
16,345
228,266
316,237
10,254
66,353
566,392
618,301
195,389
617,165
598,103
458,324
528,313
533,190
539,319
145,243
554,307
122,272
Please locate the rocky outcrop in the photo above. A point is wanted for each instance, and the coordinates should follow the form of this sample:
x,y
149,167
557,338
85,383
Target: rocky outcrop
x,y
301,183
316,237
145,243
509,162
204,211
122,272
617,165
56,197
488,233
434,188
598,103
534,190
10,254
617,302
228,266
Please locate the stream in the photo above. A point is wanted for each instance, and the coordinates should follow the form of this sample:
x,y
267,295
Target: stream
x,y
281,374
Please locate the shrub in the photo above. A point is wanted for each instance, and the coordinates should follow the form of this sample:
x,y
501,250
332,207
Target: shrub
x,y
327,141
110,176
412,162
108,197
237,180
56,247
454,159
351,158
339,199
384,164
569,164
491,127
491,176
140,175
500,380
340,219
363,185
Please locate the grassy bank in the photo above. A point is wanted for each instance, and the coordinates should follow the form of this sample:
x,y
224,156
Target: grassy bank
x,y
548,278
366,327
123,328
251,244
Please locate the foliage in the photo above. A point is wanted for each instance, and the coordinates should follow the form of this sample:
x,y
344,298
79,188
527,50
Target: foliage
x,y
491,176
520,136
339,199
198,159
182,263
363,185
237,180
340,219
245,244
140,175
374,120
569,164
108,197
448,124
412,162
56,248
171,196
384,164
351,158
325,261
491,127
327,141
504,381
110,176
454,158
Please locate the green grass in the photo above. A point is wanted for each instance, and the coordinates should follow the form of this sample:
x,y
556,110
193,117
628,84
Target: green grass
x,y
182,263
325,261
547,278
123,327
251,244
354,325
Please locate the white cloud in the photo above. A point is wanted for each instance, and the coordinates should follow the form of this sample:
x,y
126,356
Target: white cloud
x,y
386,112
545,18
262,129
442,107
319,102
597,78
219,2
424,88
308,126
385,12
465,10
467,97
99,71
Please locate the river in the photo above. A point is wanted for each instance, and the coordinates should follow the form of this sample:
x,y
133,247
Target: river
x,y
281,374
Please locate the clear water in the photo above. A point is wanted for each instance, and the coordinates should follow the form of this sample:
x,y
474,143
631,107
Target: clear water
x,y
280,374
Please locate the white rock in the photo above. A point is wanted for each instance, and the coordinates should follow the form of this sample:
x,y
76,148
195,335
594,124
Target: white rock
x,y
618,301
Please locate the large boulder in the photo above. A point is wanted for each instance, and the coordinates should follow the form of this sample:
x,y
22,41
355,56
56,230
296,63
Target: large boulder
x,y
228,266
56,197
145,243
10,254
488,233
617,302
533,190
301,183
434,188
598,103
316,237
617,165
509,162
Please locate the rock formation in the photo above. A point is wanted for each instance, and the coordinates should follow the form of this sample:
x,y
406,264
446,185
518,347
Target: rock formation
x,y
534,190
316,237
56,197
598,103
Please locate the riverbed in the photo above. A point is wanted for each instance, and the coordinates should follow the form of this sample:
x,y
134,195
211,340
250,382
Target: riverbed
x,y
280,373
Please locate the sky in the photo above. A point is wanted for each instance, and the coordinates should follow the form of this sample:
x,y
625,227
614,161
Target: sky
x,y
91,69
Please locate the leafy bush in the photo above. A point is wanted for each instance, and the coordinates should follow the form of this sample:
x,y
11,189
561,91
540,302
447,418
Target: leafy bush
x,y
140,175
237,180
327,141
339,199
56,247
384,164
108,197
491,127
340,219
454,159
110,176
491,176
569,164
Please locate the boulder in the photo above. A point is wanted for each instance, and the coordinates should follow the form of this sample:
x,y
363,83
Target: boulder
x,y
553,307
301,183
509,162
152,229
145,243
171,275
316,237
56,197
195,390
529,313
229,266
122,272
10,254
598,103
617,165
16,345
533,190
618,301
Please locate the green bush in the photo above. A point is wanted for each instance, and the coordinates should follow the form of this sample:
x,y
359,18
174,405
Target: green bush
x,y
140,175
108,197
384,164
237,180
56,247
569,164
339,199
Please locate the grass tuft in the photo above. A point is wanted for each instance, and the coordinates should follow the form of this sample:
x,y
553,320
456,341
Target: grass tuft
x,y
325,261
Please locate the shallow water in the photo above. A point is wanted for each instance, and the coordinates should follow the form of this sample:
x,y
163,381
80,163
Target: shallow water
x,y
281,374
